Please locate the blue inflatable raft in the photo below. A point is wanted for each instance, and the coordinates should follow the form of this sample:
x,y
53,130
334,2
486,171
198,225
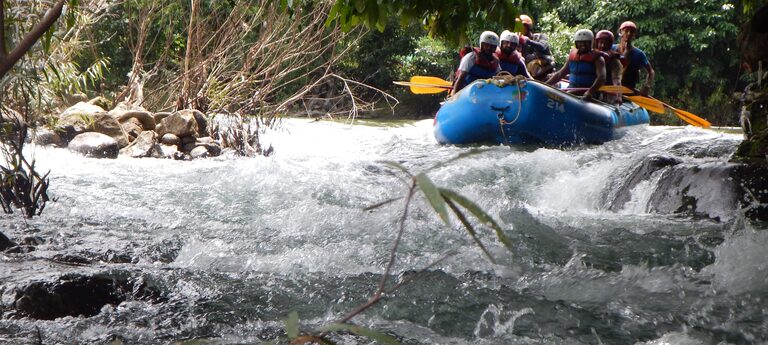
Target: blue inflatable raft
x,y
520,111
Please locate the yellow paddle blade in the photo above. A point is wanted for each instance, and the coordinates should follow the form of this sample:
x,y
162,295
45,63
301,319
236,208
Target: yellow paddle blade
x,y
648,103
432,81
616,89
421,89
691,118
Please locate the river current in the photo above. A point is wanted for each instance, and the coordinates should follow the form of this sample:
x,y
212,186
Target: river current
x,y
234,245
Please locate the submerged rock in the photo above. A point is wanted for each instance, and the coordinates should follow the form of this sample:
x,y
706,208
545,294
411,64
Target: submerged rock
x,y
76,295
713,190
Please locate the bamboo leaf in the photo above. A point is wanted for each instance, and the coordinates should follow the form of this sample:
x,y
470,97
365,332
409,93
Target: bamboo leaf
x,y
470,229
479,213
292,325
433,196
368,333
396,165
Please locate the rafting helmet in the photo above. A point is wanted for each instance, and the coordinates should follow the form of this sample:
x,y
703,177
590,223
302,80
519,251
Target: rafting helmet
x,y
627,24
489,37
525,19
583,35
604,34
510,37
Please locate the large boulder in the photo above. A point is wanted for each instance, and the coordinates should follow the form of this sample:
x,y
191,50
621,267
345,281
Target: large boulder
x,y
44,136
132,127
73,124
96,145
180,124
82,108
202,122
106,124
142,146
5,242
143,116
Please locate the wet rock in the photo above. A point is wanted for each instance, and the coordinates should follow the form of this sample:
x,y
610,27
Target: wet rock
x,y
71,259
105,124
165,151
20,250
142,146
5,242
170,139
132,127
199,152
640,173
96,145
32,241
45,137
202,122
70,296
180,124
72,125
76,295
144,117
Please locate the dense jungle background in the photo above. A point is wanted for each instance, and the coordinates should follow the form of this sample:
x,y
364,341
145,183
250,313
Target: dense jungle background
x,y
272,58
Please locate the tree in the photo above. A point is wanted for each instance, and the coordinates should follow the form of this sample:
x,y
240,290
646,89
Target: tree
x,y
7,60
448,19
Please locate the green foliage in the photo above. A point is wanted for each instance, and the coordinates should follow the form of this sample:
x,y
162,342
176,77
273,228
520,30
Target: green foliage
x,y
560,35
447,19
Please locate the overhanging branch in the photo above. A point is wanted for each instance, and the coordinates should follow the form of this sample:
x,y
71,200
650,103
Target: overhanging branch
x,y
7,61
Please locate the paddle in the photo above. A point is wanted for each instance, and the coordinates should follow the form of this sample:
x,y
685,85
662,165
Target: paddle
x,y
605,88
658,106
421,89
430,85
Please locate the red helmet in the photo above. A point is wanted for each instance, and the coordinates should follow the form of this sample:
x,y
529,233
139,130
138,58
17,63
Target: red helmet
x,y
604,34
627,24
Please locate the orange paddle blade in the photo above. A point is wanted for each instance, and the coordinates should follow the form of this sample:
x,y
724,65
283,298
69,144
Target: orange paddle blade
x,y
648,103
421,89
691,118
432,81
616,89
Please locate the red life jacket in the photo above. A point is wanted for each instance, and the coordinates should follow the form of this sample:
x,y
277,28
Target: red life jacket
x,y
514,58
481,61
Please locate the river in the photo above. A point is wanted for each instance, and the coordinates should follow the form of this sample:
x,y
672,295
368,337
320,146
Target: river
x,y
232,246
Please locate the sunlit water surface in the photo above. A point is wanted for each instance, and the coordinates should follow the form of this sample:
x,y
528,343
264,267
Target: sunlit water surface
x,y
237,244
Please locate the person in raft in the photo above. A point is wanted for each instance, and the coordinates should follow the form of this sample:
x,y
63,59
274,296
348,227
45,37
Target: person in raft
x,y
613,66
585,67
535,50
635,59
510,59
480,63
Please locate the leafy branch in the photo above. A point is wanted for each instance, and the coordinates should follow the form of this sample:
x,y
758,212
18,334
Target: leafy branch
x,y
444,202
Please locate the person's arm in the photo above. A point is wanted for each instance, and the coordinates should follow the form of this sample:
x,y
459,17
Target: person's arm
x,y
525,69
599,81
646,89
557,75
458,84
464,66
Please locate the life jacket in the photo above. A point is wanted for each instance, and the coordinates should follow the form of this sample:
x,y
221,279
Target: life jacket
x,y
582,68
512,63
483,68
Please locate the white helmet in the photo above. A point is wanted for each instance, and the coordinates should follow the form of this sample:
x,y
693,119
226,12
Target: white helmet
x,y
583,35
489,37
510,37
